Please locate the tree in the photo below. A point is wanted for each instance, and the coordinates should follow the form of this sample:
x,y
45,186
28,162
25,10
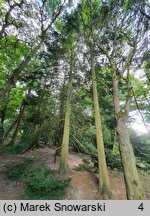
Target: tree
x,y
55,10
70,48
118,67
88,15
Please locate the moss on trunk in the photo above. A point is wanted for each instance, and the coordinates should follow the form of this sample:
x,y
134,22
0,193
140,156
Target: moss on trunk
x,y
104,185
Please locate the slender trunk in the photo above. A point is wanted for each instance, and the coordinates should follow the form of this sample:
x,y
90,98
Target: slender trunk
x,y
64,167
59,131
10,129
20,117
2,119
104,185
113,138
134,189
59,135
1,134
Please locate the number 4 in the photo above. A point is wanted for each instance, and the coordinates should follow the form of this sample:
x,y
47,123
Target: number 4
x,y
141,207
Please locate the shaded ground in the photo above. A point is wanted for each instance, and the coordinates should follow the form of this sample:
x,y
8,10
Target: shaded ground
x,y
83,185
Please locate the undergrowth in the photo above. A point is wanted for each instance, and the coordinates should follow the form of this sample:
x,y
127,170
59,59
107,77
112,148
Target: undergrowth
x,y
40,181
44,183
15,149
19,171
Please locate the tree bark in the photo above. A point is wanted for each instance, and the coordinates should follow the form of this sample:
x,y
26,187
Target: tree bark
x,y
134,189
113,138
104,185
59,132
64,167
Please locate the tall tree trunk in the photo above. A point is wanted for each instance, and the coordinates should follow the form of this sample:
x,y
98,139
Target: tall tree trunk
x,y
64,167
59,135
104,185
134,189
59,131
20,117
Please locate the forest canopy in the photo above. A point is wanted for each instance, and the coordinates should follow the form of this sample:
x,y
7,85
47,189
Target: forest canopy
x,y
75,75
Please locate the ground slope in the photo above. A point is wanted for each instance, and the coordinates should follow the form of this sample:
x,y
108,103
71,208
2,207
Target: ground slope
x,y
83,185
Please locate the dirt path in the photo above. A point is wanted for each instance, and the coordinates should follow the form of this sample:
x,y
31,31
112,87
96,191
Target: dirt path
x,y
83,185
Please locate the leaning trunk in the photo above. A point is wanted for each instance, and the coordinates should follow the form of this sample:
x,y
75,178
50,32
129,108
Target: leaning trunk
x,y
2,119
20,117
1,134
104,185
134,189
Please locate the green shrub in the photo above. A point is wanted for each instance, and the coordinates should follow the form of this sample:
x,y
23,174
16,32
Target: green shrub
x,y
15,149
18,171
43,183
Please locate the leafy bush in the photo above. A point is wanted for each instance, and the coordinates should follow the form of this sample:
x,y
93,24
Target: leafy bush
x,y
43,183
18,171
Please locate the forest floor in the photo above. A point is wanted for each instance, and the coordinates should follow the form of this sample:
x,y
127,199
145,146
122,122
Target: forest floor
x,y
83,185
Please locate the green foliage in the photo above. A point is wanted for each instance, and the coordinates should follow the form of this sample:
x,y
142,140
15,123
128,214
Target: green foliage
x,y
113,32
29,139
113,159
15,149
2,1
141,145
143,165
43,183
16,96
2,78
19,171
126,2
51,6
11,53
84,139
